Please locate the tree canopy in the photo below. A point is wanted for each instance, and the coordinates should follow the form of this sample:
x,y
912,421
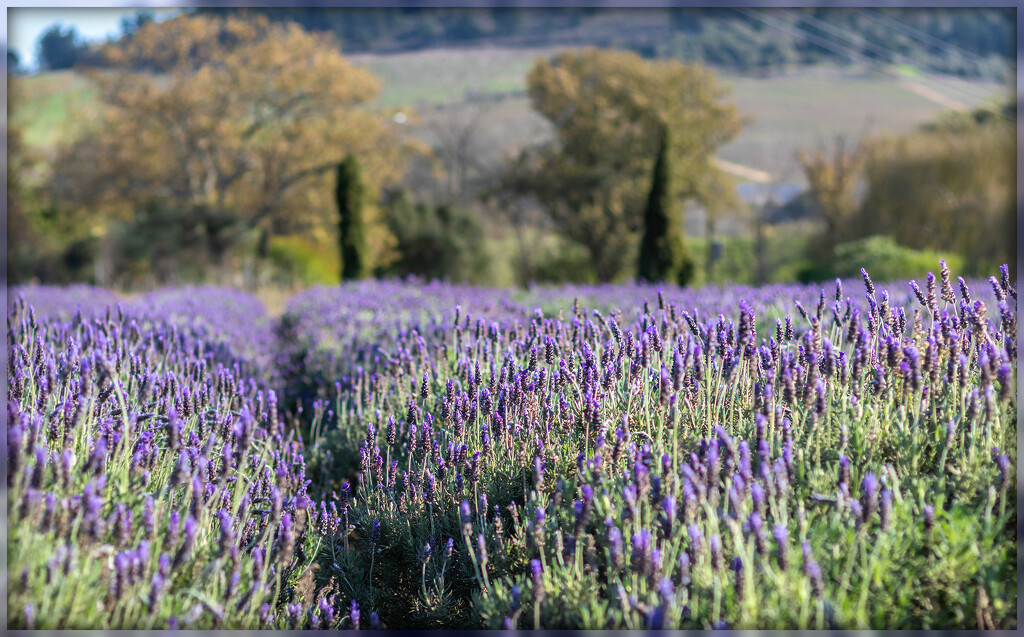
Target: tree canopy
x,y
243,119
59,48
350,193
949,186
608,109
663,255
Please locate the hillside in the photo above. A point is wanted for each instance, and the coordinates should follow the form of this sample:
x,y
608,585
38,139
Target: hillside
x,y
969,42
784,112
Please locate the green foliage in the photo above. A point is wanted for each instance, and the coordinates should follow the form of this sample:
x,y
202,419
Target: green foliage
x,y
880,255
59,48
966,121
784,245
306,261
663,255
728,42
948,187
247,118
609,109
45,241
165,243
564,262
351,197
442,242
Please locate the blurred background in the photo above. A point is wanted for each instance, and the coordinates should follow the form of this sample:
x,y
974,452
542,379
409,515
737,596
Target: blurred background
x,y
284,148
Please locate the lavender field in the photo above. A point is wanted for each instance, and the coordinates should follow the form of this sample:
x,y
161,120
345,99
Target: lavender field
x,y
401,455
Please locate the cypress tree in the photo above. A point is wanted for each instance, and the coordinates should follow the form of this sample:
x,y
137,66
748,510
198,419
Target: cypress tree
x,y
351,197
663,255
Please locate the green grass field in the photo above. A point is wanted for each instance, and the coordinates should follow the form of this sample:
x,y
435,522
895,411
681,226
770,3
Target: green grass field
x,y
50,106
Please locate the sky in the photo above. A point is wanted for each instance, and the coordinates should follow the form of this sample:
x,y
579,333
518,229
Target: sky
x,y
26,24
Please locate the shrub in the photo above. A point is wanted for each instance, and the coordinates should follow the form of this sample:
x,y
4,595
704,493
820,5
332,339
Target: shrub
x,y
885,259
443,242
308,261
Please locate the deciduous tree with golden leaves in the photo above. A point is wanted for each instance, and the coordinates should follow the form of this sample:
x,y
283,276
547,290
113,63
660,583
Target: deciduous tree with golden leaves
x,y
238,118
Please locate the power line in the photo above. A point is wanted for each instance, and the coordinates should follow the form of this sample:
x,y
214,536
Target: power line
x,y
882,52
798,32
919,35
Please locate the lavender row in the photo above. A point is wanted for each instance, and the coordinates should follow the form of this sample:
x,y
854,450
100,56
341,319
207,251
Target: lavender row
x,y
663,470
151,480
585,457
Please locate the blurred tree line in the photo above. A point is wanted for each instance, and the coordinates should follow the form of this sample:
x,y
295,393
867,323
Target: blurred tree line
x,y
237,144
215,136
217,144
962,41
719,37
967,41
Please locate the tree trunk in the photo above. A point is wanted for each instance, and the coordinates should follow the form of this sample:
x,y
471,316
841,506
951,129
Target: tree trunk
x,y
216,240
263,246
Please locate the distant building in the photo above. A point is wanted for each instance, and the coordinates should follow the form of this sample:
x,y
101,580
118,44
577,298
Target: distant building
x,y
788,202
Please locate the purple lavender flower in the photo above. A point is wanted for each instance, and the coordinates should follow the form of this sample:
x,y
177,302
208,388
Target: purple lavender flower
x,y
119,577
857,511
929,517
813,572
190,537
1005,472
326,612
641,556
715,549
615,549
736,566
227,534
885,508
629,494
867,281
869,487
670,513
781,534
354,615
696,542
844,469
155,591
467,517
537,578
481,544
516,602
